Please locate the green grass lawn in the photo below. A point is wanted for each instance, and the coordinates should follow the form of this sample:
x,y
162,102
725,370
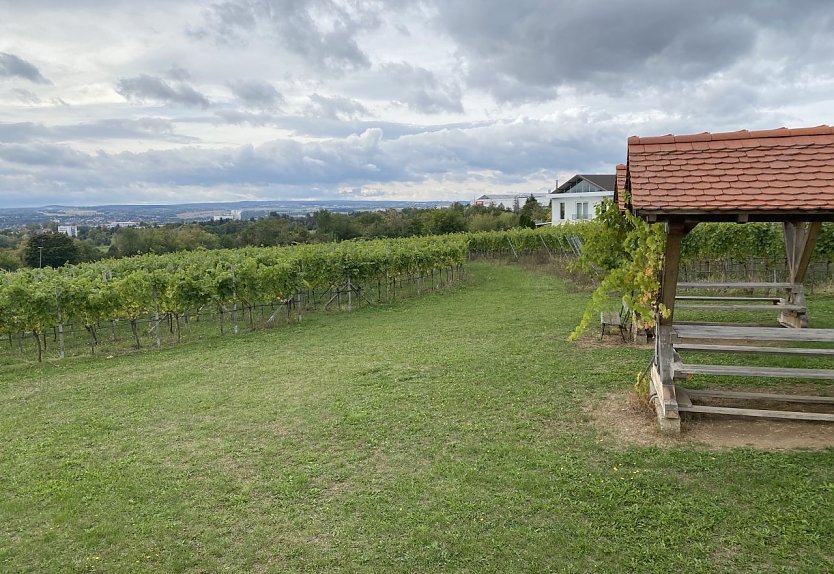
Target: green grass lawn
x,y
440,434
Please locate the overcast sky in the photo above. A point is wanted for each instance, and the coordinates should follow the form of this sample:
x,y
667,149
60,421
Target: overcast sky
x,y
168,101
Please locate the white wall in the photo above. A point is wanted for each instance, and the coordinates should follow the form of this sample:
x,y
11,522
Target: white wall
x,y
577,206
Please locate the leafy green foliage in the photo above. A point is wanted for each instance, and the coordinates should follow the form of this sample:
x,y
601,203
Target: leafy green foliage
x,y
631,251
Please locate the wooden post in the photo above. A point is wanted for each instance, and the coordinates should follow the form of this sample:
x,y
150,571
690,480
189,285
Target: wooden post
x,y
662,375
800,238
60,328
234,299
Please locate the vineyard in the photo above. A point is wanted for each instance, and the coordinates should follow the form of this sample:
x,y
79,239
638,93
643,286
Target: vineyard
x,y
158,296
120,302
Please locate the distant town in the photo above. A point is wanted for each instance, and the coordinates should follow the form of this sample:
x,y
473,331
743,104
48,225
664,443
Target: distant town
x,y
123,216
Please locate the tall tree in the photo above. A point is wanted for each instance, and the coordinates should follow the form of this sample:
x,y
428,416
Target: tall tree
x,y
51,250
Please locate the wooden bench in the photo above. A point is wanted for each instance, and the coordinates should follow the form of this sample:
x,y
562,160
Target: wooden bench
x,y
615,320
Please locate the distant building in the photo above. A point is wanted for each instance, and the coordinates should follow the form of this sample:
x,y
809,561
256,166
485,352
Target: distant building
x,y
511,200
115,224
235,214
578,197
70,230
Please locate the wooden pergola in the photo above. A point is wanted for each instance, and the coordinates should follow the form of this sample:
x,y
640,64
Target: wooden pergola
x,y
781,175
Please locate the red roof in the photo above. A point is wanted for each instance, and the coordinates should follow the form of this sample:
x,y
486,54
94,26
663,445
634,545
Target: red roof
x,y
620,186
761,171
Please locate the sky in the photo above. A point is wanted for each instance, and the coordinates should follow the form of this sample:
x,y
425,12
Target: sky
x,y
174,101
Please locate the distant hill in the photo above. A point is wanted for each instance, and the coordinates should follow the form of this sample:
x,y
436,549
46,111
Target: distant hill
x,y
104,214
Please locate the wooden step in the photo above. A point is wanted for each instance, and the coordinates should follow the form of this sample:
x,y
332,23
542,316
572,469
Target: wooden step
x,y
684,370
719,333
725,298
722,324
737,285
752,307
721,394
751,350
793,415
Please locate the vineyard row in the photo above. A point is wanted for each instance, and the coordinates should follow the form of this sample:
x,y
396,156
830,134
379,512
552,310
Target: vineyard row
x,y
152,289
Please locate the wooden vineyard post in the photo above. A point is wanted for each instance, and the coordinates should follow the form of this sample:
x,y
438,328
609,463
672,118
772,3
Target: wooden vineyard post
x,y
60,327
157,329
234,299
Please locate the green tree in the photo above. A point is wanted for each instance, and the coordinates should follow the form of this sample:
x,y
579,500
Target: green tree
x,y
442,221
9,261
51,250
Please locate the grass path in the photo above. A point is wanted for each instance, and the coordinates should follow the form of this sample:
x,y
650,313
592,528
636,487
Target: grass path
x,y
441,434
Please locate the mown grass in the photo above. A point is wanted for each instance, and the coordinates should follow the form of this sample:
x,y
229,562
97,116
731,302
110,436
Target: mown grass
x,y
441,434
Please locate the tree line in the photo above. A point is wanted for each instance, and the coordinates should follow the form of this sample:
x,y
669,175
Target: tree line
x,y
44,248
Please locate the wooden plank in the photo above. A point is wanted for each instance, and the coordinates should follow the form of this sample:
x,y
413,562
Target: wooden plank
x,y
736,285
667,401
753,333
725,298
793,415
720,324
751,307
683,370
721,394
754,350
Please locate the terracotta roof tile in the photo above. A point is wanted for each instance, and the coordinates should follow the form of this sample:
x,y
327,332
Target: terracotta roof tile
x,y
769,170
620,186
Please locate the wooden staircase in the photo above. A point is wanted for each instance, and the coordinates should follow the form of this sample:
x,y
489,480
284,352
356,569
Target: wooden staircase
x,y
687,339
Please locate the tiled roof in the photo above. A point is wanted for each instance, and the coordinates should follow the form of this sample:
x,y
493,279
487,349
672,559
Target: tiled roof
x,y
620,186
761,171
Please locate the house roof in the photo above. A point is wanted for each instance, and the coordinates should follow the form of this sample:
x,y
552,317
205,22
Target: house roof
x,y
620,186
768,172
605,181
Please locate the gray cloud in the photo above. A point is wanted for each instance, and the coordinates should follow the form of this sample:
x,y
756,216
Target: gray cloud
x,y
527,49
334,107
26,96
355,89
12,66
257,94
420,89
143,128
295,168
321,32
144,88
178,73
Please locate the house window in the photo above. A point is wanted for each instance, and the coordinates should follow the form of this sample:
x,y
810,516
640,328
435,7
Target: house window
x,y
561,210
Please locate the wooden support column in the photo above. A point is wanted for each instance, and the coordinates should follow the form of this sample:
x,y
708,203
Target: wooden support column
x,y
800,239
662,375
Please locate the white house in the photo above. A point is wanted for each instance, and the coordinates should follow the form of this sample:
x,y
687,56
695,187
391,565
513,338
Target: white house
x,y
70,230
578,197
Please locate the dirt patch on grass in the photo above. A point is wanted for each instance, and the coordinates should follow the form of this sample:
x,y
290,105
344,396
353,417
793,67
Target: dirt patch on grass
x,y
629,421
